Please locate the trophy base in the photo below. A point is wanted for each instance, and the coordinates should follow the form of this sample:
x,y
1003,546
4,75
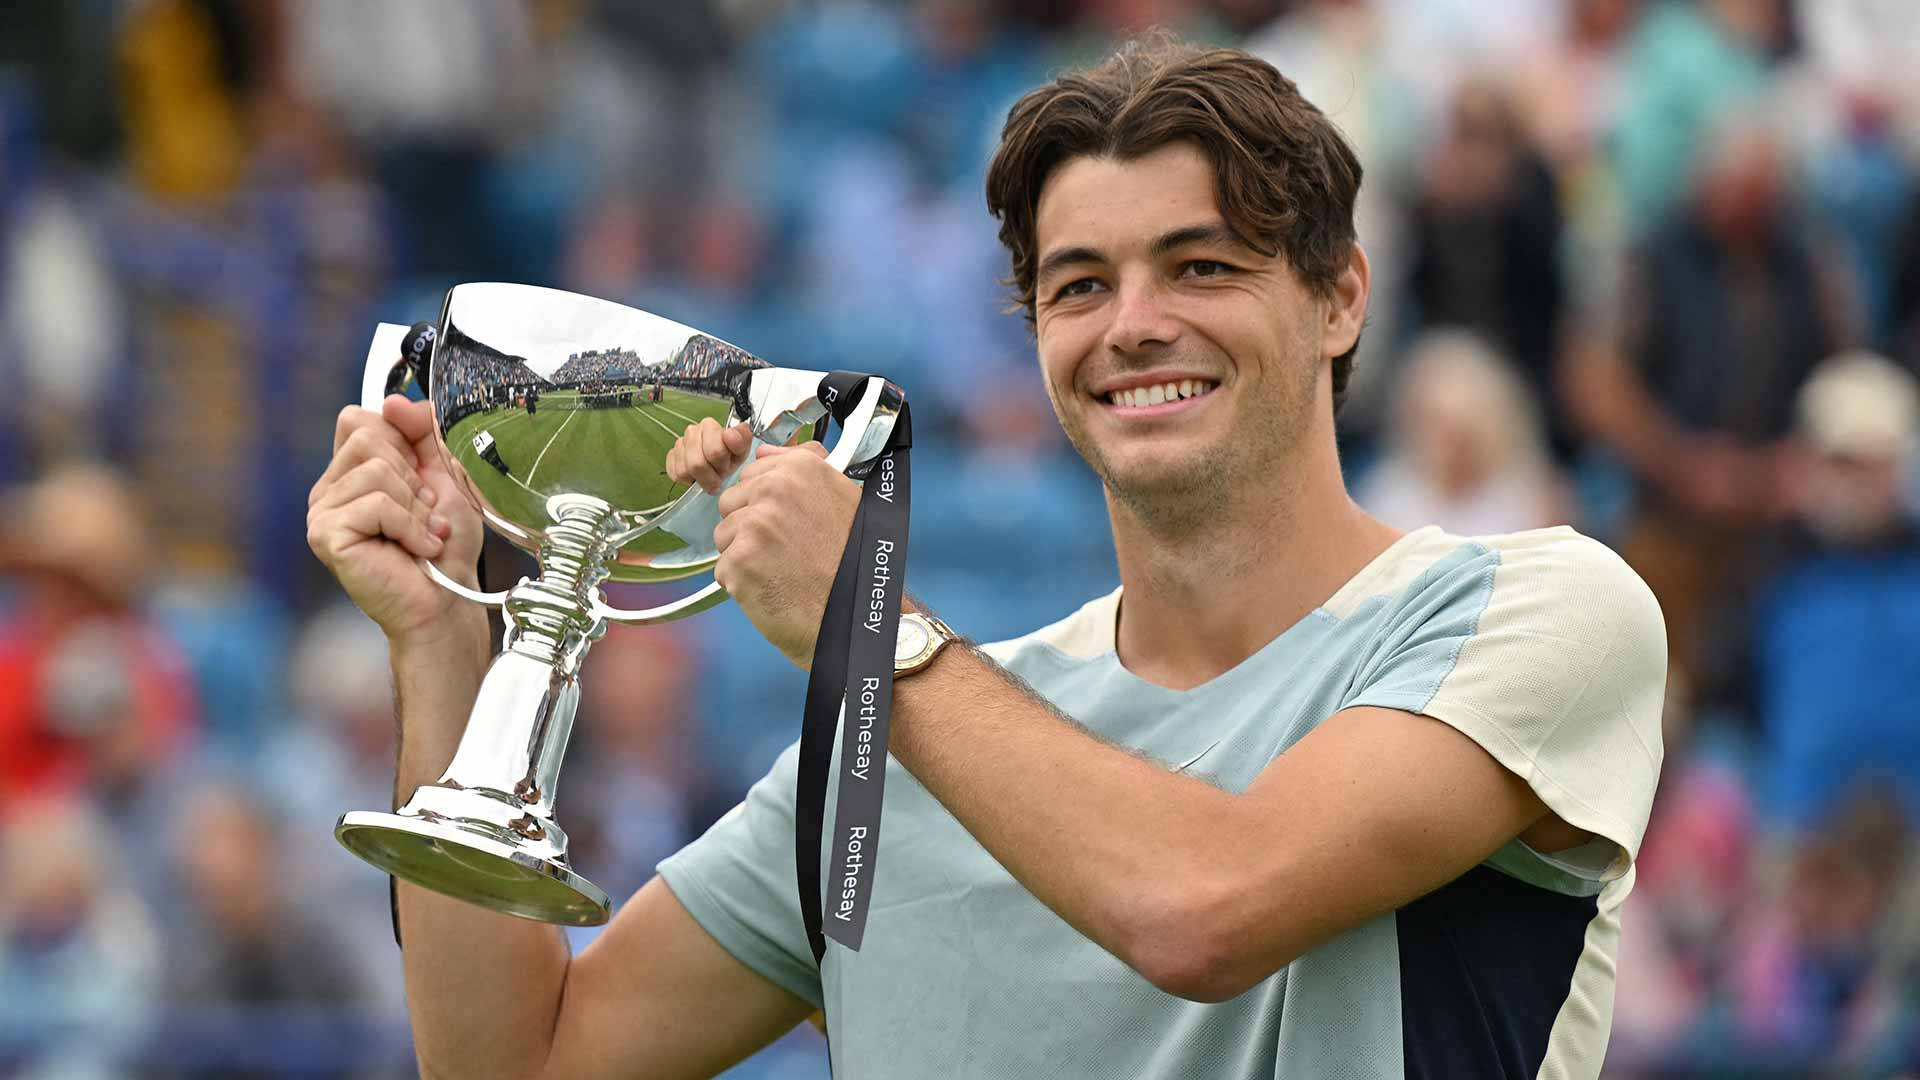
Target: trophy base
x,y
469,860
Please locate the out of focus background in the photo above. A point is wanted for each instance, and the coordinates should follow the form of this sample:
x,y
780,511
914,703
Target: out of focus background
x,y
1650,268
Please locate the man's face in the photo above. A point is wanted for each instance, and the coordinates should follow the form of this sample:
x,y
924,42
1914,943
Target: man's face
x,y
1178,360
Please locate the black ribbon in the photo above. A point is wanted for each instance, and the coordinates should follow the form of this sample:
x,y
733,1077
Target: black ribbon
x,y
853,664
416,363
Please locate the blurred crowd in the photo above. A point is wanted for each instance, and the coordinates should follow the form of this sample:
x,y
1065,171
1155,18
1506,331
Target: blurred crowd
x,y
1648,267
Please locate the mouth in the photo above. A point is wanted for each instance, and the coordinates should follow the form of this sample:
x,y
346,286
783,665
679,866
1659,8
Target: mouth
x,y
1155,398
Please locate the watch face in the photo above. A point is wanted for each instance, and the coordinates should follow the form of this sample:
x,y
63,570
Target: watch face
x,y
914,637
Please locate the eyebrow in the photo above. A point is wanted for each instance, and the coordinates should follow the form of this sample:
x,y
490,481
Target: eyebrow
x,y
1186,235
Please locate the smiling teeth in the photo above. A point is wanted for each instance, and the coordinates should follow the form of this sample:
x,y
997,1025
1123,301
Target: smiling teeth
x,y
1142,396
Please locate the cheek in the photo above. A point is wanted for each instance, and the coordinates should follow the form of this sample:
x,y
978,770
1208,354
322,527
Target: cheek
x,y
1055,353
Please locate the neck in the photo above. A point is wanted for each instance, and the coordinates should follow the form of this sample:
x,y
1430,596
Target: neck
x,y
1200,597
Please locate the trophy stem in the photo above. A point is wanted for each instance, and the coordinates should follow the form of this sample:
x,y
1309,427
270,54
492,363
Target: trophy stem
x,y
552,619
485,831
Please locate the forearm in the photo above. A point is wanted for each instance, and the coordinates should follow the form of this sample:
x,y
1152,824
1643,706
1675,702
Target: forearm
x,y
483,989
1114,843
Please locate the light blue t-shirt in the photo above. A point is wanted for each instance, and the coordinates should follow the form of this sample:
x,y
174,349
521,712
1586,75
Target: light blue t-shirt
x,y
1541,646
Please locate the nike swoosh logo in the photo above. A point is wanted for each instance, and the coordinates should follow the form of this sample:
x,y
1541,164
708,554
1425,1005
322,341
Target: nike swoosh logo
x,y
1182,767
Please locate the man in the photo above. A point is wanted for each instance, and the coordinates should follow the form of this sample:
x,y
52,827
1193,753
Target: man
x,y
1333,800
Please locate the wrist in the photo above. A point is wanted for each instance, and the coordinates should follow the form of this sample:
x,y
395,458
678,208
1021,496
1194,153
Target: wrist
x,y
458,636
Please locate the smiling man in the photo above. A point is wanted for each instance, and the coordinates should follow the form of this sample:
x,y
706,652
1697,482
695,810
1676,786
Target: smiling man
x,y
1304,797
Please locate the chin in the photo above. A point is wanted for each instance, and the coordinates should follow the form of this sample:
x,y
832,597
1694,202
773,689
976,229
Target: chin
x,y
1156,476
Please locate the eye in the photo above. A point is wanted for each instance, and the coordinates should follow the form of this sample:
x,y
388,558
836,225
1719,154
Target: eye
x,y
1205,268
1077,287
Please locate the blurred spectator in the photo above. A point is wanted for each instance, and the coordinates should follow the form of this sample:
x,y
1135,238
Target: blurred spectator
x,y
80,961
1730,308
251,944
1569,91
1485,241
1838,626
185,66
60,319
1568,95
1465,450
95,693
1690,883
1859,182
1688,65
1803,961
337,754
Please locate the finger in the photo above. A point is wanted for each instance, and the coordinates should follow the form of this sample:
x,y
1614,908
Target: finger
x,y
674,471
374,514
371,476
353,419
413,420
725,533
369,444
706,457
786,459
396,523
363,444
735,498
713,446
815,448
738,438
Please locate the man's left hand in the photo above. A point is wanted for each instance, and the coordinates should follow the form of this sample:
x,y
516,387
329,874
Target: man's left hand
x,y
783,528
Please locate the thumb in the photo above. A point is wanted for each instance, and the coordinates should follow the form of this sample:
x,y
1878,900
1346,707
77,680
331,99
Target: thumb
x,y
414,421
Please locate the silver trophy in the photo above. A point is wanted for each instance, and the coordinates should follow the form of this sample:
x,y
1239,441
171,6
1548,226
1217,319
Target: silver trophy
x,y
555,414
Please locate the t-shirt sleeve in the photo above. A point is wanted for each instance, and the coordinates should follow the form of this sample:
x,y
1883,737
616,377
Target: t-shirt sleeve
x,y
1551,654
737,881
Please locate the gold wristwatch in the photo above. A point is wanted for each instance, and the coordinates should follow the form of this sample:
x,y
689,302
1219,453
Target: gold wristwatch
x,y
920,639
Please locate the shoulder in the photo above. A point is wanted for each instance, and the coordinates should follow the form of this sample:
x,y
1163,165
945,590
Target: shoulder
x,y
1558,578
1544,572
1551,653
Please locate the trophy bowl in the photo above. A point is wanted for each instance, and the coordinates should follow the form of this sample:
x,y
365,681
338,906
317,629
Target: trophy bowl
x,y
555,412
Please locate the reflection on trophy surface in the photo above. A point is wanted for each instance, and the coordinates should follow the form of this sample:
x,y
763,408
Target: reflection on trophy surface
x,y
555,415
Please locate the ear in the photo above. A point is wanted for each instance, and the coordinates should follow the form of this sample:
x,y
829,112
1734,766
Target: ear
x,y
1347,305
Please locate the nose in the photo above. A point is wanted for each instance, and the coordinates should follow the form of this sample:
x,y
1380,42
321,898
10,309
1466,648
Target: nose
x,y
1142,320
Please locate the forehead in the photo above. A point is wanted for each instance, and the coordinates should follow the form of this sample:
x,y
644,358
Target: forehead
x,y
1106,202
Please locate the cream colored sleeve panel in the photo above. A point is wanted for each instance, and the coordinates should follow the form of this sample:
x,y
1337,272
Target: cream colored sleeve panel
x,y
1083,635
1563,681
1577,1042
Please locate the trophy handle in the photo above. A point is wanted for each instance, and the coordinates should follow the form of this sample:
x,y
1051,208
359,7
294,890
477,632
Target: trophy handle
x,y
384,374
863,434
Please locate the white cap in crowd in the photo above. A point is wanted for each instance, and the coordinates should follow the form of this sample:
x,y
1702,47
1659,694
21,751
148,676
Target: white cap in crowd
x,y
1860,404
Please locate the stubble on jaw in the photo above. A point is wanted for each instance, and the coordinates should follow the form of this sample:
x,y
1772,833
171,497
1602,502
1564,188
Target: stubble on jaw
x,y
1250,467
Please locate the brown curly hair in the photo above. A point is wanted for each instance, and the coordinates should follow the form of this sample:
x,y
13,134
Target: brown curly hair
x,y
1284,176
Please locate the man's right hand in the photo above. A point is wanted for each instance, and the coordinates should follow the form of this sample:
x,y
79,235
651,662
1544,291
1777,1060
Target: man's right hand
x,y
385,499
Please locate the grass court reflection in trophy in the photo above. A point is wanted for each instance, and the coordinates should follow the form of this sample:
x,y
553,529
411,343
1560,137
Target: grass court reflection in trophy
x,y
582,484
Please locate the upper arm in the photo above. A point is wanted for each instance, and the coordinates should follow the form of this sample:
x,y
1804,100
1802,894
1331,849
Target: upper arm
x,y
707,963
657,996
1371,810
1523,686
